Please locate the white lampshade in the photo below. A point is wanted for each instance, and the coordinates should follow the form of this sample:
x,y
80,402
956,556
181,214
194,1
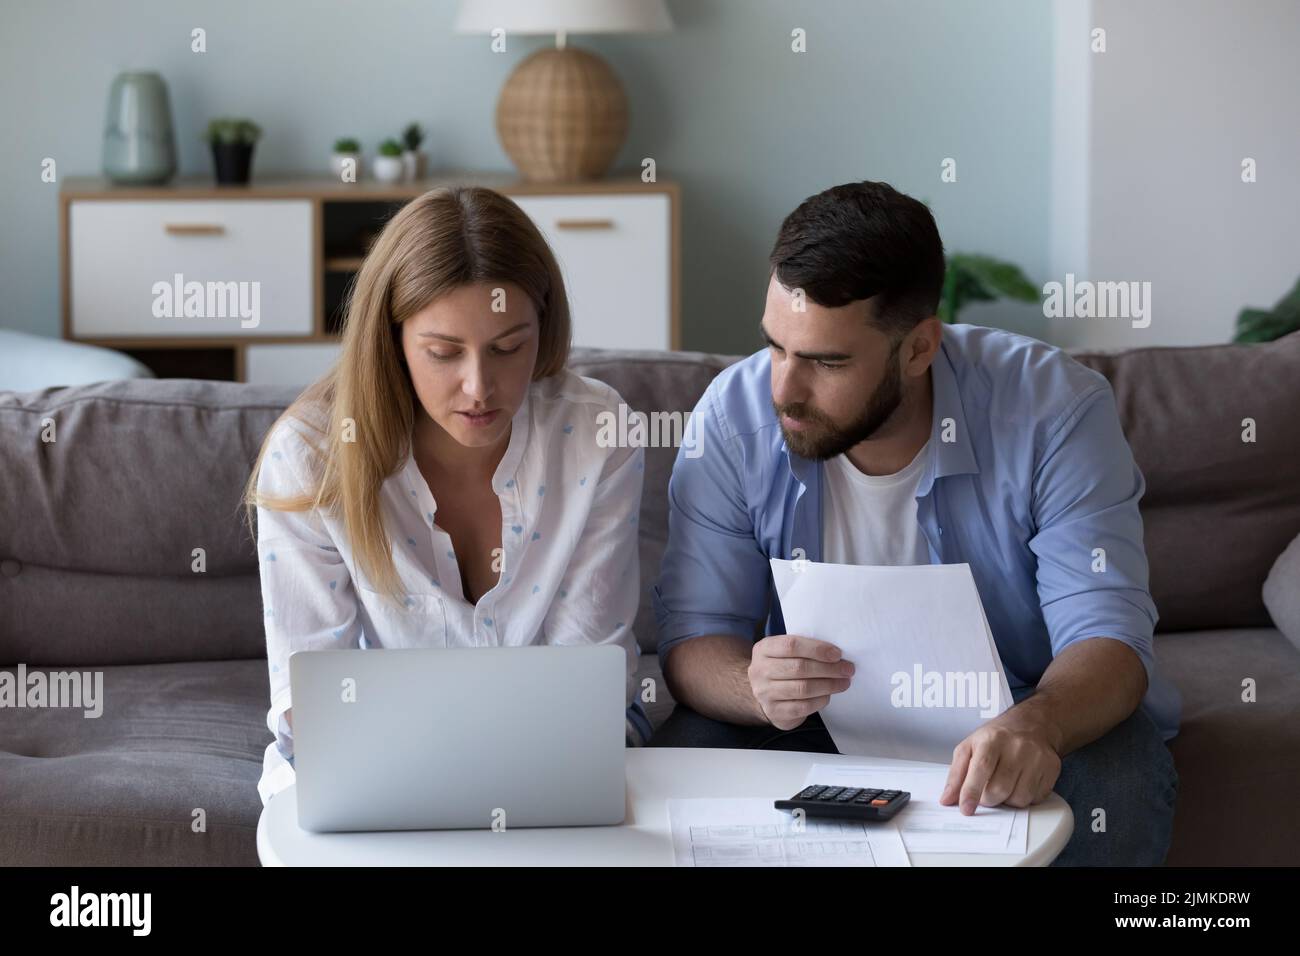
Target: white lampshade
x,y
564,16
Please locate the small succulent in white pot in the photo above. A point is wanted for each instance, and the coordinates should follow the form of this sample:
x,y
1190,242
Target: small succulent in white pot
x,y
388,164
345,164
412,158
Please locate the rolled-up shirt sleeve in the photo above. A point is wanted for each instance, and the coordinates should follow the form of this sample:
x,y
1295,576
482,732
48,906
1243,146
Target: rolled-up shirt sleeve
x,y
1092,573
714,578
308,601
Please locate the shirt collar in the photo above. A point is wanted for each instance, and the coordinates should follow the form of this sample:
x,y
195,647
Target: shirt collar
x,y
418,489
956,456
509,463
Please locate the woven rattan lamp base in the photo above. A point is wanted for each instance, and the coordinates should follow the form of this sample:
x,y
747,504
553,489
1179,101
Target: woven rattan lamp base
x,y
562,116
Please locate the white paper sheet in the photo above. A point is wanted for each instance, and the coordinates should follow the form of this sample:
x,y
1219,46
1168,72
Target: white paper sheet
x,y
752,832
927,671
926,825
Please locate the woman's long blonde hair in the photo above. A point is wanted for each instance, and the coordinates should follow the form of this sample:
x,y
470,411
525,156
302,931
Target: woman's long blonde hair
x,y
446,238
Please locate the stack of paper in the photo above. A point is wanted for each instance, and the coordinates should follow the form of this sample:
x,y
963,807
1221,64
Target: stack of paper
x,y
752,832
926,825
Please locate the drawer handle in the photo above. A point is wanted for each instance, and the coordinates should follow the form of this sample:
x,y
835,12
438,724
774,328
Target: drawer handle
x,y
584,224
194,229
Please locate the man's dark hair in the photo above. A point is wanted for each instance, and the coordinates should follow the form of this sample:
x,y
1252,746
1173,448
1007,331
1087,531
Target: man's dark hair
x,y
861,240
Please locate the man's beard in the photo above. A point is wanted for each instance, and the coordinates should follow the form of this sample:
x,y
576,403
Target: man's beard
x,y
824,440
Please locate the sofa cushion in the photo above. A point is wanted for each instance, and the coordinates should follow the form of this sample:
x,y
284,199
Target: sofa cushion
x,y
1282,592
653,382
1217,510
1231,753
121,789
98,527
30,362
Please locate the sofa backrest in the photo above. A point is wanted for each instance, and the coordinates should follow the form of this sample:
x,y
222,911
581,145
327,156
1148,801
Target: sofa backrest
x,y
653,382
1218,510
99,528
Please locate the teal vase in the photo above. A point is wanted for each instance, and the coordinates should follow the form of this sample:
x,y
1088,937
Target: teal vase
x,y
139,147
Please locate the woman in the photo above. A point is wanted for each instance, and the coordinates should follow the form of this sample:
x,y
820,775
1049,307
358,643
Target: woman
x,y
443,486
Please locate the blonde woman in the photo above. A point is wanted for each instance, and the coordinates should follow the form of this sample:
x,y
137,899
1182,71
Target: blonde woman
x,y
443,486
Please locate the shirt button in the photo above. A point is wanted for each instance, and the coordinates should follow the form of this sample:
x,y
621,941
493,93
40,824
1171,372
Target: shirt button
x,y
940,531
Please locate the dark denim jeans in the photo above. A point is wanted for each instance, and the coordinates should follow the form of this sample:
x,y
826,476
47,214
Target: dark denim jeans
x,y
1127,772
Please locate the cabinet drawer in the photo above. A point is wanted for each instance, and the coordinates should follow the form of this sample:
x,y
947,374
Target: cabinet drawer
x,y
288,364
243,268
614,252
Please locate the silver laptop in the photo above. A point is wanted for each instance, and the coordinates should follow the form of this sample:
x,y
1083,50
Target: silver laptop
x,y
457,738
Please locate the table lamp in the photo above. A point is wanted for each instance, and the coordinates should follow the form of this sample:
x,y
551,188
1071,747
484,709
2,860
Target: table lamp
x,y
562,114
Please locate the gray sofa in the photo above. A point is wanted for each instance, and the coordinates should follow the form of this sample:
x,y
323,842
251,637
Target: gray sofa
x,y
98,532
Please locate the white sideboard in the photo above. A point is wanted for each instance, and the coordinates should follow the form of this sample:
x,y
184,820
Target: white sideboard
x,y
275,259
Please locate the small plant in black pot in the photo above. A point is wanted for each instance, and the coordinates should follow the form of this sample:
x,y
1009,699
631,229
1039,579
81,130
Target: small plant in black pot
x,y
232,149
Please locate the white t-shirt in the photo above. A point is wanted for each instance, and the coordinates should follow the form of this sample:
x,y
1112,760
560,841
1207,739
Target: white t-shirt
x,y
570,573
871,519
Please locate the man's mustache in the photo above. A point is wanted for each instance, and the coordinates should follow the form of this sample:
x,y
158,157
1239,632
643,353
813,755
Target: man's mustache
x,y
801,412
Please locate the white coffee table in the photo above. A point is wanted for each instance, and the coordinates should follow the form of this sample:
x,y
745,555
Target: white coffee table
x,y
654,775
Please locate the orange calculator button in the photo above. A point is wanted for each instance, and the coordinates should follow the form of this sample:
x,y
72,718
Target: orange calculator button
x,y
879,803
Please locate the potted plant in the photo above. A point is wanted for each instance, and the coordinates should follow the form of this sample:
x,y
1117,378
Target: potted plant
x,y
232,142
412,158
975,278
346,149
388,164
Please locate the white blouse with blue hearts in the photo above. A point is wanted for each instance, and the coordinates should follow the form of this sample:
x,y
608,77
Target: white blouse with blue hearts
x,y
570,571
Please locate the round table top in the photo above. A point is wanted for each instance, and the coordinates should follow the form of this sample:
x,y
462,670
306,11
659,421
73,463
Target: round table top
x,y
654,776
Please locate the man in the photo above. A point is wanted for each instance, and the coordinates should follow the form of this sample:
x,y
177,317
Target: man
x,y
870,433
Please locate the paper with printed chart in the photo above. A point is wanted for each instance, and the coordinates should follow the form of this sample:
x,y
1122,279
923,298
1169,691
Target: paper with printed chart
x,y
752,832
927,672
926,825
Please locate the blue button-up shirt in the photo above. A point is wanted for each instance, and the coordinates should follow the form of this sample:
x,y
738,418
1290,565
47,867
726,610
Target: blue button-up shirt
x,y
1029,480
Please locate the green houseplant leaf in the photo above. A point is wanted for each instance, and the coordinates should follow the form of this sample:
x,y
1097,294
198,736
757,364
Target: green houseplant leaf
x,y
227,129
976,278
1260,325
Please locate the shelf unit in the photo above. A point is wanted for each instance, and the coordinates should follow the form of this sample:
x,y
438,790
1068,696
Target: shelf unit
x,y
617,240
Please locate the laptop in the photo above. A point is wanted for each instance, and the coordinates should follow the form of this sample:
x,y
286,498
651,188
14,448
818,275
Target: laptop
x,y
459,738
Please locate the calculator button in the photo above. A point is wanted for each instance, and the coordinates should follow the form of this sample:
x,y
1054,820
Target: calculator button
x,y
863,798
879,803
809,793
829,793
850,793
844,797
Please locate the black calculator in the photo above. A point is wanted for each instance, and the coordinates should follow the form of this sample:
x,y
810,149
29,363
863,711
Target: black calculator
x,y
847,803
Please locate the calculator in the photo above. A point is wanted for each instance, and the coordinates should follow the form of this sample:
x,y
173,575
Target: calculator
x,y
847,803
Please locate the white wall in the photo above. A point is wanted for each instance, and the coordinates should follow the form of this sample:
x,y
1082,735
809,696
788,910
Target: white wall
x,y
1185,90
